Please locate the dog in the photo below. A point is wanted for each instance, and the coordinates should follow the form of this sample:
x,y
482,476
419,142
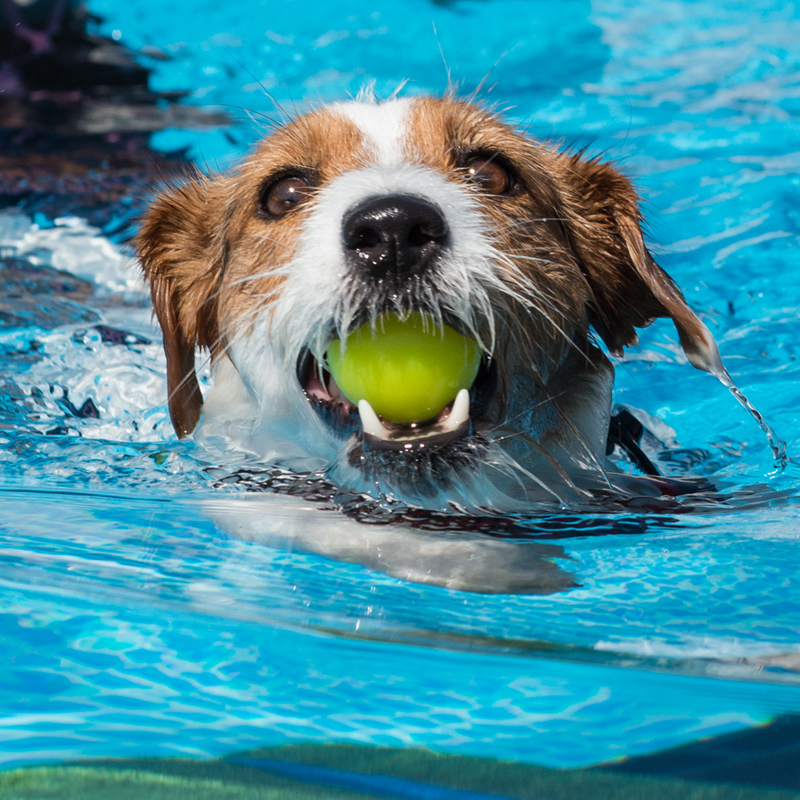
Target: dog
x,y
428,205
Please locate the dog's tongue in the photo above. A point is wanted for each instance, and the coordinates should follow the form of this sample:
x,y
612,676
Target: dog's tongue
x,y
405,371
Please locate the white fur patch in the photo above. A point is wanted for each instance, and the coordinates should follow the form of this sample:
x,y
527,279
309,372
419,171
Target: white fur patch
x,y
383,126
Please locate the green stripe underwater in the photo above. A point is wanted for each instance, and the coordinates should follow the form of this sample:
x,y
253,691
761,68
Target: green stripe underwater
x,y
310,771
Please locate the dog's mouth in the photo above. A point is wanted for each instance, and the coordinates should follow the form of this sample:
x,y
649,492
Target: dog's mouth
x,y
345,418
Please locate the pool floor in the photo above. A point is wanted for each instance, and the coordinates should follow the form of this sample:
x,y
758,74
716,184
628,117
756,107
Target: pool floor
x,y
760,763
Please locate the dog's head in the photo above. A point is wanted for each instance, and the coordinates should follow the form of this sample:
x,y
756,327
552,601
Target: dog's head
x,y
408,205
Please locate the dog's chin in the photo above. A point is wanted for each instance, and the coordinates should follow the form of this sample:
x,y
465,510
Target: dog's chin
x,y
422,472
426,456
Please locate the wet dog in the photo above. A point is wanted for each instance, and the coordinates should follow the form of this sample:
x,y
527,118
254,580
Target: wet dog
x,y
429,205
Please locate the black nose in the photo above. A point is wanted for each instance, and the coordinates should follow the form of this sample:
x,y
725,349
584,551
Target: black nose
x,y
396,235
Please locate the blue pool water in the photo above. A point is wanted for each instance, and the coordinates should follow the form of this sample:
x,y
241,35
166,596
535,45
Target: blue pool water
x,y
133,621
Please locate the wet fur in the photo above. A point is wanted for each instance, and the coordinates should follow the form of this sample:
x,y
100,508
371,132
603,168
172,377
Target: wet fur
x,y
537,272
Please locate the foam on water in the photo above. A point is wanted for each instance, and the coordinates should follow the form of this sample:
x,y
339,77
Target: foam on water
x,y
161,599
71,245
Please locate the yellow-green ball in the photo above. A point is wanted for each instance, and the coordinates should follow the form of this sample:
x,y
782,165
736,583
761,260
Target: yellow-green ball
x,y
408,370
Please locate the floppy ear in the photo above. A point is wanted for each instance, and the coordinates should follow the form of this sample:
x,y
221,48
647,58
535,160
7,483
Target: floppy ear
x,y
629,289
182,251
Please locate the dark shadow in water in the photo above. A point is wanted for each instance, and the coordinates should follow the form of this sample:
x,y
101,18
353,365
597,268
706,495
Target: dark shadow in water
x,y
767,756
76,113
38,296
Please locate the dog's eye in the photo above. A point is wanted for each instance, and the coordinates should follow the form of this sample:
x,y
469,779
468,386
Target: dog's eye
x,y
488,175
284,195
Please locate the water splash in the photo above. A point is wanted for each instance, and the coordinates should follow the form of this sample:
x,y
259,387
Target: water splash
x,y
777,445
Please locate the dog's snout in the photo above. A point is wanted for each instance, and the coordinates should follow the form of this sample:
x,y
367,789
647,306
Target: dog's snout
x,y
395,235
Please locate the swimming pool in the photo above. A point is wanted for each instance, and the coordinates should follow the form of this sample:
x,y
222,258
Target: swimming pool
x,y
134,625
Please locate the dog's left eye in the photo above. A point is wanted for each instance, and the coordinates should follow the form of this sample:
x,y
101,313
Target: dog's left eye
x,y
489,175
284,195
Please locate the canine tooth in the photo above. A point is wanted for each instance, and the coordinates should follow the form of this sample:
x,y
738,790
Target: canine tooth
x,y
370,422
459,414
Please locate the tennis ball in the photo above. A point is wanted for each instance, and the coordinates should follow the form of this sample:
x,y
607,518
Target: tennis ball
x,y
407,370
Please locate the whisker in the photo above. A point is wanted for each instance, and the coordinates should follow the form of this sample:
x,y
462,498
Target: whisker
x,y
513,464
582,441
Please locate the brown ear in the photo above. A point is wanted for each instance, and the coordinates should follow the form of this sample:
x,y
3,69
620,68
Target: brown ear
x,y
630,290
181,247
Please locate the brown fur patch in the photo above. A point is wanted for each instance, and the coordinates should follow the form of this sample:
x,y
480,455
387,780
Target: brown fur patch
x,y
211,258
574,230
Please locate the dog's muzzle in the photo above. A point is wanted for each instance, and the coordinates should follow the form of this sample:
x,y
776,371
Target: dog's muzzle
x,y
393,244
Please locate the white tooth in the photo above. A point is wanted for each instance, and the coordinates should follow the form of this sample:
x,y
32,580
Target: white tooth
x,y
370,422
459,414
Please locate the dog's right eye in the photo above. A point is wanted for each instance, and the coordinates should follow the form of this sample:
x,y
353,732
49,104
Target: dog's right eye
x,y
490,174
284,195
